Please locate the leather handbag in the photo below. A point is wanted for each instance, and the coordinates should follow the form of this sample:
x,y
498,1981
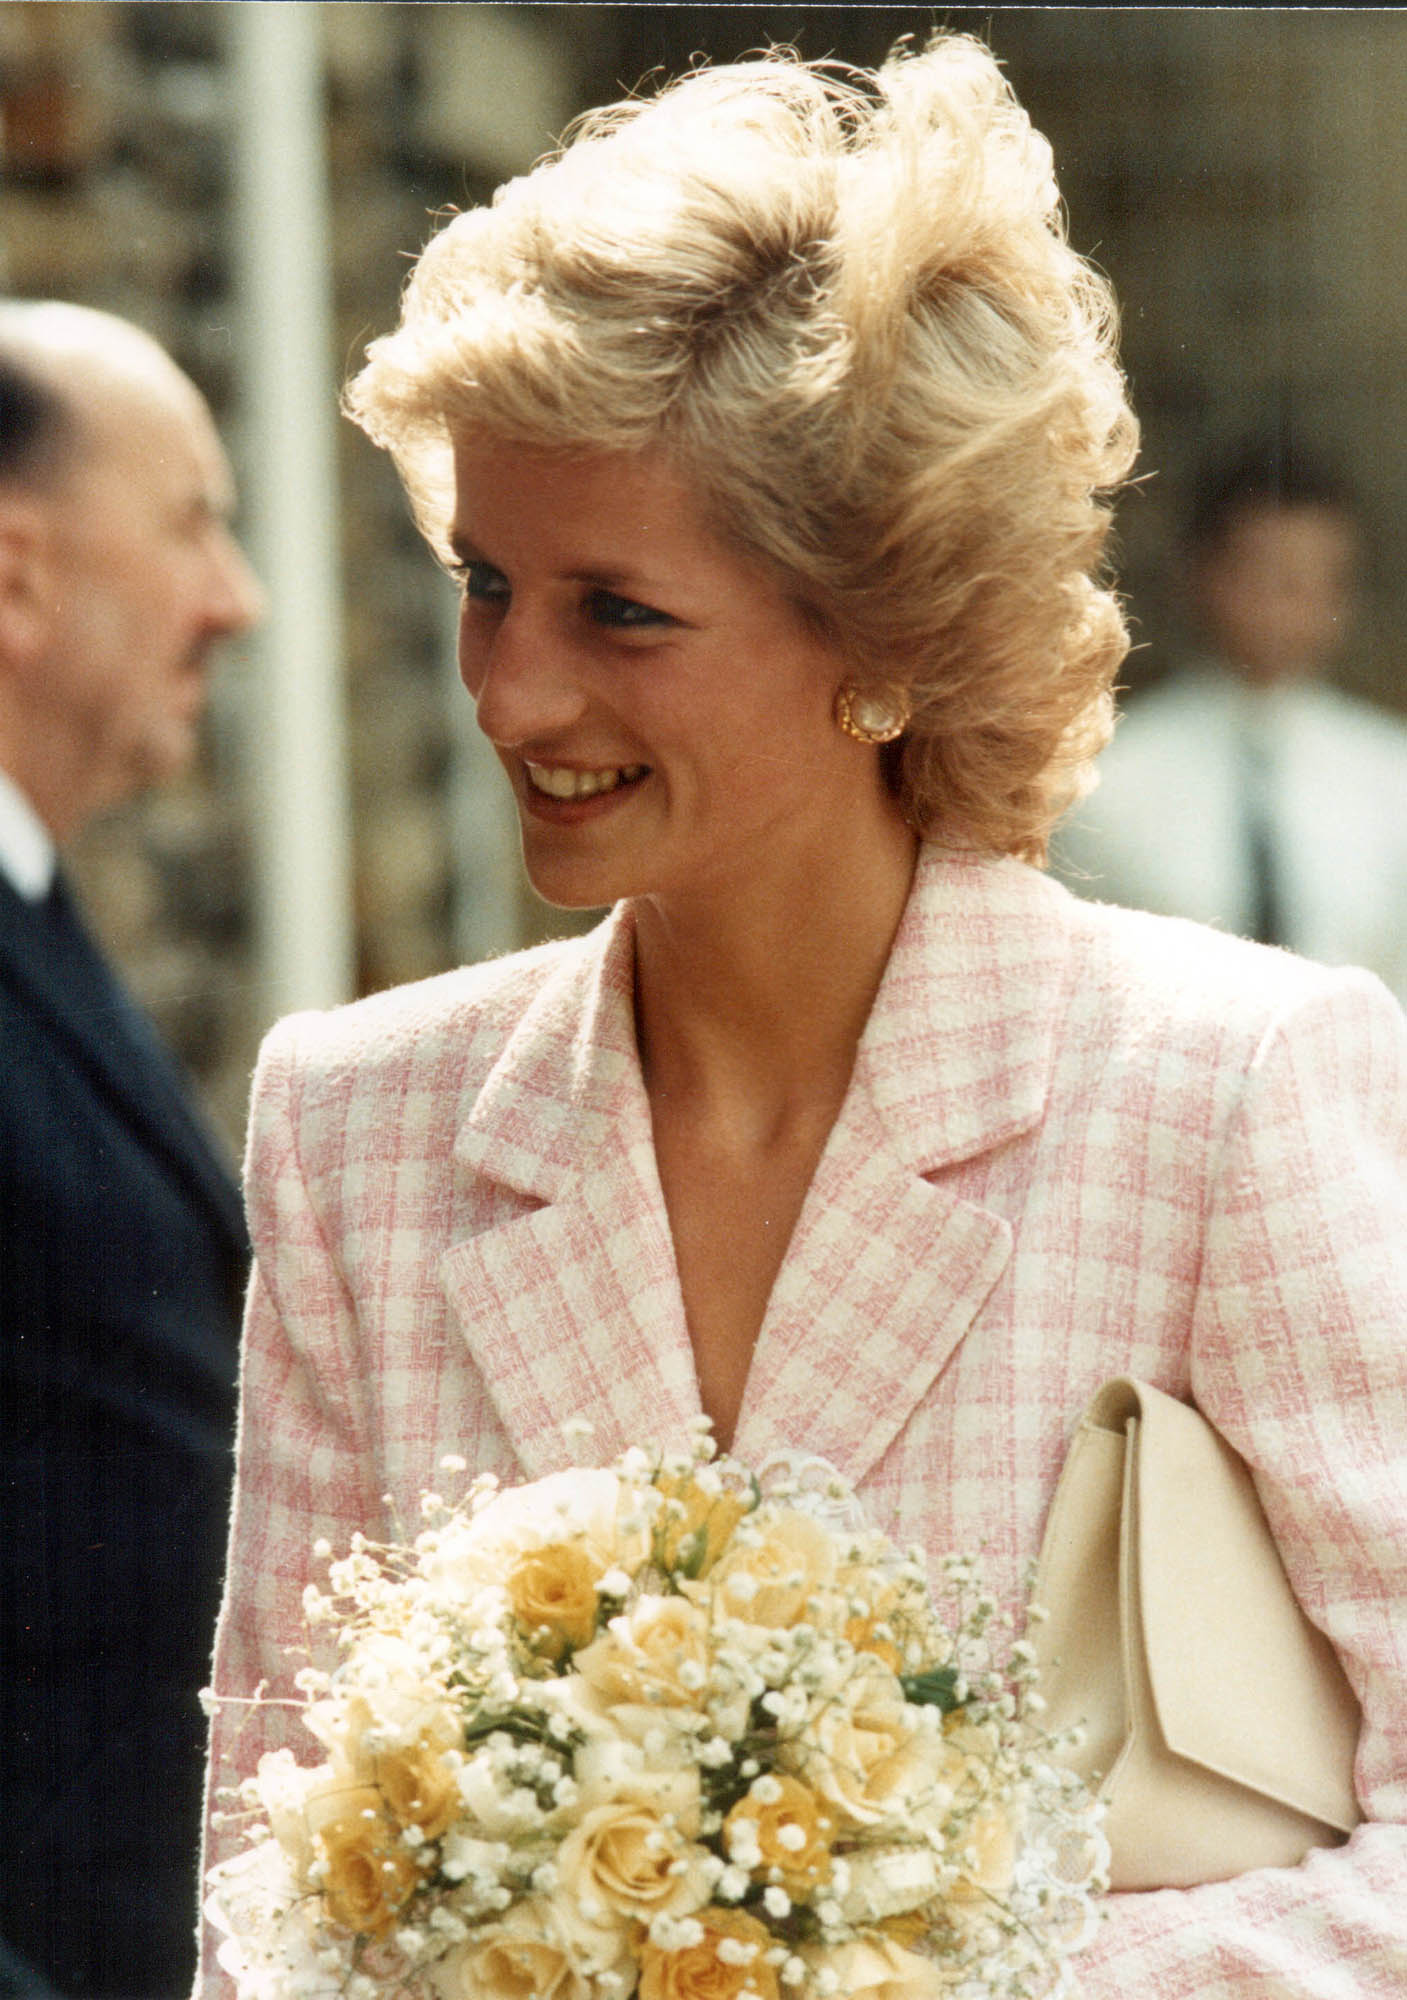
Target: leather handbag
x,y
1219,1728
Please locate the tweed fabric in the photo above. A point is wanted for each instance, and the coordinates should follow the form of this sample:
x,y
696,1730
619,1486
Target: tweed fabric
x,y
1078,1142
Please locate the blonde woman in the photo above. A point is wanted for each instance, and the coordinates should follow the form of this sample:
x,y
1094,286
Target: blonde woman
x,y
766,428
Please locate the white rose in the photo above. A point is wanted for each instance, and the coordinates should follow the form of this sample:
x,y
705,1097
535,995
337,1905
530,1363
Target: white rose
x,y
606,1512
873,1755
284,1789
888,1882
608,1770
655,1655
495,1811
264,1918
463,1855
777,1562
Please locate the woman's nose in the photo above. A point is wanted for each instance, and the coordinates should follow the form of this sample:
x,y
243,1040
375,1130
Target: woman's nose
x,y
522,683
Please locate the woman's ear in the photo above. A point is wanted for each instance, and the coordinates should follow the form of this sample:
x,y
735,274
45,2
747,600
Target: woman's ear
x,y
26,586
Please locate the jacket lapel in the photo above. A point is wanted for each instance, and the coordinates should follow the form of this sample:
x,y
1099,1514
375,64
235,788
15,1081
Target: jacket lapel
x,y
571,1305
118,1051
890,1266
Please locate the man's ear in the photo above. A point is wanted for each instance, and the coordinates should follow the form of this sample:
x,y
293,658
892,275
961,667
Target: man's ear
x,y
26,586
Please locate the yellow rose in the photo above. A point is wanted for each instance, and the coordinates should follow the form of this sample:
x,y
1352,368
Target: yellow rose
x,y
990,1840
695,1523
771,1579
420,1786
704,1972
875,1967
871,1616
885,1615
405,1706
908,1928
553,1594
416,1780
654,1656
871,1755
990,1833
861,1633
367,1872
629,1860
520,1956
790,1830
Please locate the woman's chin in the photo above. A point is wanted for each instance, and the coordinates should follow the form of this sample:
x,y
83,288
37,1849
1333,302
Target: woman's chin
x,y
572,884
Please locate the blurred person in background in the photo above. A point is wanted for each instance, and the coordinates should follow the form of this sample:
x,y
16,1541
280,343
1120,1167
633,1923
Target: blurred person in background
x,y
1244,791
122,1245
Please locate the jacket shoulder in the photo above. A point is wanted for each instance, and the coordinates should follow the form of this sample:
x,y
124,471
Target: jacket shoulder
x,y
443,1033
1143,976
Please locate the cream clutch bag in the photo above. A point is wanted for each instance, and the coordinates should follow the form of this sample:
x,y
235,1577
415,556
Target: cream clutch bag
x,y
1219,1728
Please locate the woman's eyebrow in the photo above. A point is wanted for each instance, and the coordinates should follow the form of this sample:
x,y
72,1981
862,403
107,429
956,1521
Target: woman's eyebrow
x,y
607,578
461,548
600,576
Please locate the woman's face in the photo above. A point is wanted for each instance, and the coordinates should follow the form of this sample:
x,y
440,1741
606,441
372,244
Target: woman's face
x,y
663,711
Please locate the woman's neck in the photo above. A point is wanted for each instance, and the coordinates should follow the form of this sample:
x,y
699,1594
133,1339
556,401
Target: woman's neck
x,y
750,1004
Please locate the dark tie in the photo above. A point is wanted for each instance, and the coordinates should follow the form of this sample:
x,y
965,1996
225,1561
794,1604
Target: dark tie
x,y
1265,913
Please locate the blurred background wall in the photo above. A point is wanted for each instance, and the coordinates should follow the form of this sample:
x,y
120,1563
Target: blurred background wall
x,y
1240,174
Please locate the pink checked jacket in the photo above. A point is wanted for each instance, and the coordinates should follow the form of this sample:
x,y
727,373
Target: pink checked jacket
x,y
1078,1142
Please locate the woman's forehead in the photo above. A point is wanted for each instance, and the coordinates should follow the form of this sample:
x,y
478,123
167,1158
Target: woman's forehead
x,y
635,495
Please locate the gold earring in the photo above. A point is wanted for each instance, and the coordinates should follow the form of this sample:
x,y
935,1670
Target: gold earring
x,y
872,715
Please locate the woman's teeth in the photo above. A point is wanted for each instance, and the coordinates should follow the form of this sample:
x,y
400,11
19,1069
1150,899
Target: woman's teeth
x,y
561,783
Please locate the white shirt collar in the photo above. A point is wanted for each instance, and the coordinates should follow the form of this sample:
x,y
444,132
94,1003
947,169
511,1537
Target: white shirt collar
x,y
27,854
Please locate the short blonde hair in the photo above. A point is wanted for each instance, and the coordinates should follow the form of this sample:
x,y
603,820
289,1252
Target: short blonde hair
x,y
846,306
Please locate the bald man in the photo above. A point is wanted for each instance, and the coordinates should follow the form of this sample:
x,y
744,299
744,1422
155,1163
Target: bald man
x,y
122,1247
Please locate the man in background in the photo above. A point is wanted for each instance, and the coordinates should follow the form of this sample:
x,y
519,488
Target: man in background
x,y
1243,790
122,1246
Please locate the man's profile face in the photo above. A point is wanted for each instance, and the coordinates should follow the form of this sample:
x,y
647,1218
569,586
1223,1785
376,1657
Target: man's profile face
x,y
1275,593
149,578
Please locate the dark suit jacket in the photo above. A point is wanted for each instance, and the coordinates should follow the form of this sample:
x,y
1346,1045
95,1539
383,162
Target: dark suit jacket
x,y
122,1263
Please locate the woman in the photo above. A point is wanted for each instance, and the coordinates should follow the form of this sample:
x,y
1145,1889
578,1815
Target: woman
x,y
764,429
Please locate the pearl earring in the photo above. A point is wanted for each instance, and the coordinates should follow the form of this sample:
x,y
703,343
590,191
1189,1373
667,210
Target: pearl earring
x,y
872,715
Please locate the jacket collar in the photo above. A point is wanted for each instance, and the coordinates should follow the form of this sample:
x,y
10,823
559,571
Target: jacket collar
x,y
956,1055
568,1080
573,1307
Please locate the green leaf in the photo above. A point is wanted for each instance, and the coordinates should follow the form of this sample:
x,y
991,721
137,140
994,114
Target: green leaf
x,y
937,1688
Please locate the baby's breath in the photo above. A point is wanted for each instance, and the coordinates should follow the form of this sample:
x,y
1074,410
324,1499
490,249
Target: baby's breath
x,y
652,1708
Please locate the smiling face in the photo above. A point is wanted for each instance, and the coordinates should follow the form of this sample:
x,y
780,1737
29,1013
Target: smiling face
x,y
665,713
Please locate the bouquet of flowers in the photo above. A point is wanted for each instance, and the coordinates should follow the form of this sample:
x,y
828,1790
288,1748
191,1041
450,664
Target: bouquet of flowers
x,y
659,1729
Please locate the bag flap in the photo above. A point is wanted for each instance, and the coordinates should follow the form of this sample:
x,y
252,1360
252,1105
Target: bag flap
x,y
1242,1683
1077,1587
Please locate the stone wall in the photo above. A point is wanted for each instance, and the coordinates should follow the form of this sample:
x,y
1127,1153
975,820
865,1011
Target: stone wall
x,y
1241,175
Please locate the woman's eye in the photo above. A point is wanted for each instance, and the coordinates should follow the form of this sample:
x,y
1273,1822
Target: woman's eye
x,y
605,608
482,581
